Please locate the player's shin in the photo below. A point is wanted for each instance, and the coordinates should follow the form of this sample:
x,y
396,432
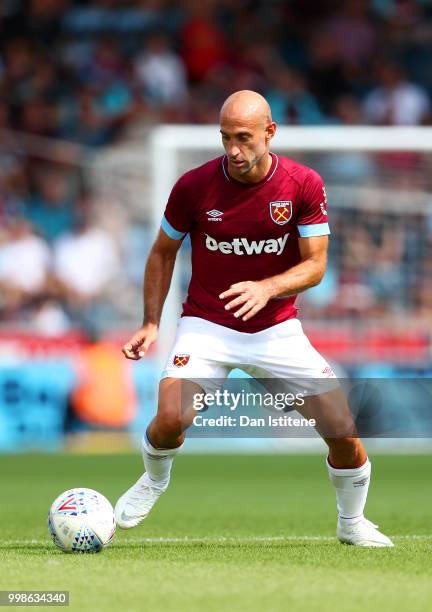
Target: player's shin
x,y
158,462
351,490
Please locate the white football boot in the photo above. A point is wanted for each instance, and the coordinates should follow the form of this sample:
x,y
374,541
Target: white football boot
x,y
134,505
362,533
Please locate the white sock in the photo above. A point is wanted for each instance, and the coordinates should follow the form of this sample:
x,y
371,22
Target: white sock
x,y
351,490
158,462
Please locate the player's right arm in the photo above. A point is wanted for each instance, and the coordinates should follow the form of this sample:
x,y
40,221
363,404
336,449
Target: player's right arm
x,y
157,280
176,223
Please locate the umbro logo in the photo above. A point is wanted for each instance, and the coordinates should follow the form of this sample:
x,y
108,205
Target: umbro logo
x,y
362,482
214,215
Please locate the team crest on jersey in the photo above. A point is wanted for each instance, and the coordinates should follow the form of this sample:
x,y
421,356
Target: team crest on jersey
x,y
281,212
181,360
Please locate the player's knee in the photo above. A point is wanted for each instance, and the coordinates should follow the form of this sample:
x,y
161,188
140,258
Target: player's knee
x,y
342,428
170,424
347,444
346,452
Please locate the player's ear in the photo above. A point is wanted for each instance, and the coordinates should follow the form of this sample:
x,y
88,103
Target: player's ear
x,y
270,130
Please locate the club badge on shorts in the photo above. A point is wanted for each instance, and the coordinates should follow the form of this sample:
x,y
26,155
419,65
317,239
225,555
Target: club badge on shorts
x,y
281,212
181,360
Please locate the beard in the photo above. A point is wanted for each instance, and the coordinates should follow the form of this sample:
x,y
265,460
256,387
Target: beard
x,y
250,164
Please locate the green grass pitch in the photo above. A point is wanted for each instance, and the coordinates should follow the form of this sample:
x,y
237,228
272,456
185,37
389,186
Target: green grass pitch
x,y
232,533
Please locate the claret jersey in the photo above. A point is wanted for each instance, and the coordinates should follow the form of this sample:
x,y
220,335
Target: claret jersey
x,y
244,232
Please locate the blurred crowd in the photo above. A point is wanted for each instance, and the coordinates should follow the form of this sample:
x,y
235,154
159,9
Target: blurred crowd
x,y
95,72
379,270
85,70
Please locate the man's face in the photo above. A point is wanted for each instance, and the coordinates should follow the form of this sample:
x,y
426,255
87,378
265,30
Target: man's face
x,y
246,142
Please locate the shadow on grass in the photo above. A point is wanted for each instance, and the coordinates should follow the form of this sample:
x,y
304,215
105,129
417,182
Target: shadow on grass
x,y
29,549
37,548
218,546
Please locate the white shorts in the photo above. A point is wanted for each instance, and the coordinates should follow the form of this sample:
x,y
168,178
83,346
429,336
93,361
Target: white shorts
x,y
206,352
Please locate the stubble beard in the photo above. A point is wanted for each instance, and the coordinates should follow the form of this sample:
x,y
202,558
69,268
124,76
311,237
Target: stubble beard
x,y
250,165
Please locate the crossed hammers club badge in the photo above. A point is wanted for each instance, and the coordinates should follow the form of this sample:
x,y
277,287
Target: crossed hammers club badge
x,y
281,212
181,360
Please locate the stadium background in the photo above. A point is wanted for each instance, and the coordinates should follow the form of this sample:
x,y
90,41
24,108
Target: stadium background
x,y
82,87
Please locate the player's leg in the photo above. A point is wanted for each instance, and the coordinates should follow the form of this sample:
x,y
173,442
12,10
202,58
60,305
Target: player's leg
x,y
196,364
348,466
285,352
160,444
335,424
166,432
175,412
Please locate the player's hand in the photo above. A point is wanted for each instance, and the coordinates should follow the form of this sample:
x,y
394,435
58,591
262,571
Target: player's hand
x,y
252,296
140,342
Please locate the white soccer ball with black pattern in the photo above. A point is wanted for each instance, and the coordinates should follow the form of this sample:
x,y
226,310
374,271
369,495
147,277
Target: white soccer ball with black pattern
x,y
81,521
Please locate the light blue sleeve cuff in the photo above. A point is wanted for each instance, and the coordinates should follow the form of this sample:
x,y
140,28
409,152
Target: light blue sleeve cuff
x,y
316,229
170,230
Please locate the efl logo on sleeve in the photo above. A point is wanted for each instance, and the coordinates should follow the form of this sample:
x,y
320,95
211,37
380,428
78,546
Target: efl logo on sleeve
x,y
323,205
281,212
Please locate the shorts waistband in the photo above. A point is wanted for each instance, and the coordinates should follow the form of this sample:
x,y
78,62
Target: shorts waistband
x,y
291,327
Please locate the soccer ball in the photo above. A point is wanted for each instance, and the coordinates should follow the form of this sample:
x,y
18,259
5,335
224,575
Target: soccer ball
x,y
81,521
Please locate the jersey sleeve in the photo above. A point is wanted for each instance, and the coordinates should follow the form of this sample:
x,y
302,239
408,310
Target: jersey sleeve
x,y
177,219
312,218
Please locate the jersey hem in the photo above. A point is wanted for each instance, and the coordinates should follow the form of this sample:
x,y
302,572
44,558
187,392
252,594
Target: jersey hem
x,y
293,315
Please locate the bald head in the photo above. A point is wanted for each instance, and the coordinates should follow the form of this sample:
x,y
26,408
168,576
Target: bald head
x,y
246,106
247,128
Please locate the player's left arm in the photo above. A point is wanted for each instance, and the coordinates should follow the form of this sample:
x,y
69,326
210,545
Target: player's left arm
x,y
252,296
